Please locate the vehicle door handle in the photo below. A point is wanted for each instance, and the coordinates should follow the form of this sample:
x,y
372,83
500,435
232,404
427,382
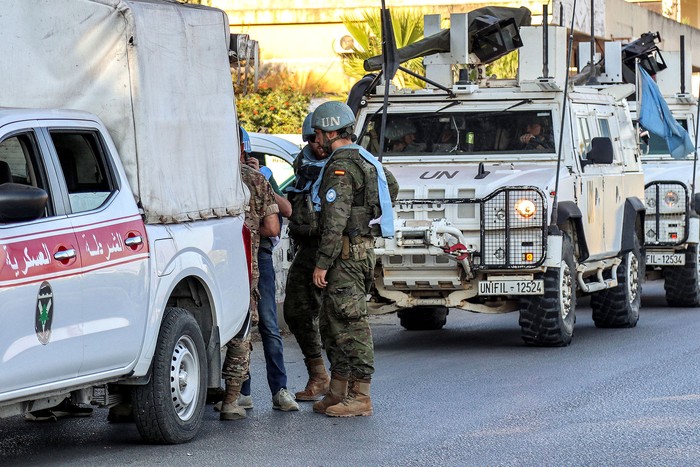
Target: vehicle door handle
x,y
64,255
133,241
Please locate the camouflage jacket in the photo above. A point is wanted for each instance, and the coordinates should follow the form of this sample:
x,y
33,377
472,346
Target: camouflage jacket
x,y
349,200
262,203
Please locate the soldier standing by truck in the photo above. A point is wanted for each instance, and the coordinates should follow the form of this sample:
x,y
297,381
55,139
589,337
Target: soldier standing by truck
x,y
353,193
302,301
262,219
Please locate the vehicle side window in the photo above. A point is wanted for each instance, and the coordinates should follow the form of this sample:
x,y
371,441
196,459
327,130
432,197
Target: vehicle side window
x,y
85,171
282,171
20,163
604,127
584,136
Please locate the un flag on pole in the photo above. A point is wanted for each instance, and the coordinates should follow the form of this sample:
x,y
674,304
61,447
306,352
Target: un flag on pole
x,y
655,116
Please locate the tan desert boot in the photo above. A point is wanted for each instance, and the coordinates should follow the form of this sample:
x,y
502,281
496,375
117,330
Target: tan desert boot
x,y
337,391
356,404
318,383
230,410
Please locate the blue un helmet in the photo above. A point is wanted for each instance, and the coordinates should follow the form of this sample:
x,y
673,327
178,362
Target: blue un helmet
x,y
245,139
306,130
333,116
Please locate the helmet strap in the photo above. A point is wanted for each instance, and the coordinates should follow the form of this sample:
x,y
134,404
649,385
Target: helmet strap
x,y
327,144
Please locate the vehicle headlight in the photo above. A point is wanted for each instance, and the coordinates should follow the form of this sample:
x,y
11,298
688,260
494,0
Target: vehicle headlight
x,y
671,198
525,208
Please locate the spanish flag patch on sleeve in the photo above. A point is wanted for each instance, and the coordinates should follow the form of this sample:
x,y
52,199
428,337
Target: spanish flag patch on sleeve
x,y
339,172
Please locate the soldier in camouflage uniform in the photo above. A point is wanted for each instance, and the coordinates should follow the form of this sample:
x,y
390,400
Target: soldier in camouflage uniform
x,y
353,190
262,220
302,300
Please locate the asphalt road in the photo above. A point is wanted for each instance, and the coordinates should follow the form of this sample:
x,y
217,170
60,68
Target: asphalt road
x,y
470,394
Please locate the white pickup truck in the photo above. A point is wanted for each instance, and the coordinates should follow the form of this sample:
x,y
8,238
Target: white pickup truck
x,y
124,261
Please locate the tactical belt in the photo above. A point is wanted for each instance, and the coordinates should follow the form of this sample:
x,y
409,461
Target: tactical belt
x,y
368,242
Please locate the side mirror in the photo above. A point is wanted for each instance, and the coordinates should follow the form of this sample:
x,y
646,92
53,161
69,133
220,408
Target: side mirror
x,y
601,152
20,203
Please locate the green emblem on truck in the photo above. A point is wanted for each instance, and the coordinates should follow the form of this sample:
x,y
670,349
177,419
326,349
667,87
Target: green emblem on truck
x,y
44,313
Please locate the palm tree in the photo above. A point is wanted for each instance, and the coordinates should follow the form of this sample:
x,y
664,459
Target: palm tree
x,y
366,31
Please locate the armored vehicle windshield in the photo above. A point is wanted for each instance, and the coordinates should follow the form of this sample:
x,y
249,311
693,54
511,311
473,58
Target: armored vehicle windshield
x,y
443,132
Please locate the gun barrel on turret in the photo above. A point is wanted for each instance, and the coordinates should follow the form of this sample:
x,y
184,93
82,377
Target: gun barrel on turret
x,y
493,33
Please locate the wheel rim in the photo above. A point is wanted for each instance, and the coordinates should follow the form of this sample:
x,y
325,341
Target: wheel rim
x,y
184,377
632,277
565,290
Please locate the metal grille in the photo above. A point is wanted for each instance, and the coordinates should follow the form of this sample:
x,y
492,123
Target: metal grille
x,y
513,229
666,220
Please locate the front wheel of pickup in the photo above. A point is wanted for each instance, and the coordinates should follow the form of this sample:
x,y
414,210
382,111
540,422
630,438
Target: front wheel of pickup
x,y
548,320
682,283
423,318
619,307
169,408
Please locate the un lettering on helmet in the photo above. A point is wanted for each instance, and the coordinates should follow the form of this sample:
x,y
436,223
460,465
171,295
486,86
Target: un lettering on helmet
x,y
333,116
330,121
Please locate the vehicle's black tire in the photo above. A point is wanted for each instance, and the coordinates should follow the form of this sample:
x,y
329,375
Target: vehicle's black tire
x,y
619,307
423,318
169,409
682,283
548,320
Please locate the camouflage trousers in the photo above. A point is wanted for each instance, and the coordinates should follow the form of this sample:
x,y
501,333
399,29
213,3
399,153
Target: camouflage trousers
x,y
237,361
302,302
343,320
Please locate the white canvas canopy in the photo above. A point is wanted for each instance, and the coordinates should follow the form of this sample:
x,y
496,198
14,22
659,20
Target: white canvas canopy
x,y
156,73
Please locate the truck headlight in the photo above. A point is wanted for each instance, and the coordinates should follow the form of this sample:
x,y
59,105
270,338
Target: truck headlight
x,y
525,208
671,198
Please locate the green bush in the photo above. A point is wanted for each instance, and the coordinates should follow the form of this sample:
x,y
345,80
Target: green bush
x,y
279,110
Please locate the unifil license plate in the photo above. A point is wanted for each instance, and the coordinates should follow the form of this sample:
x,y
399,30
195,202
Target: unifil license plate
x,y
533,287
666,259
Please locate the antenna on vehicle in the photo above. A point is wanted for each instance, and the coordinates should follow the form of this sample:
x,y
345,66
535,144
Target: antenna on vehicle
x,y
695,160
390,66
592,78
682,64
545,42
569,48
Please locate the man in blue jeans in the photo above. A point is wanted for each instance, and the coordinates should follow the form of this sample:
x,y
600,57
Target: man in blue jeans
x,y
282,399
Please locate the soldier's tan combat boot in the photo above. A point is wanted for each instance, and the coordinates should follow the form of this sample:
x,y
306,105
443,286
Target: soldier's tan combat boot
x,y
230,410
318,383
356,404
337,391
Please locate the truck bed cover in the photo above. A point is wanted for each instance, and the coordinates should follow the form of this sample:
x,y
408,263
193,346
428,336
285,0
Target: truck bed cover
x,y
156,73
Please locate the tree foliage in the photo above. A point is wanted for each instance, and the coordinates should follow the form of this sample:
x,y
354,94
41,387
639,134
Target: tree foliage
x,y
505,67
273,110
366,30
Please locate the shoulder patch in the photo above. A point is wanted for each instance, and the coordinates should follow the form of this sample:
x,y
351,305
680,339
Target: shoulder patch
x,y
339,172
331,195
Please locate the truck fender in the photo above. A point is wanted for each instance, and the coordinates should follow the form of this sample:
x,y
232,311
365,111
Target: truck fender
x,y
633,223
569,212
693,228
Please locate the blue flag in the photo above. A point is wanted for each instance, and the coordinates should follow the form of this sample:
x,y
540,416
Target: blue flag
x,y
655,116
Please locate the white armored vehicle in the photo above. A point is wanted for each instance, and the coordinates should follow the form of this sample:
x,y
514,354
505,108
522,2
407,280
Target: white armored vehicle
x,y
671,226
515,195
